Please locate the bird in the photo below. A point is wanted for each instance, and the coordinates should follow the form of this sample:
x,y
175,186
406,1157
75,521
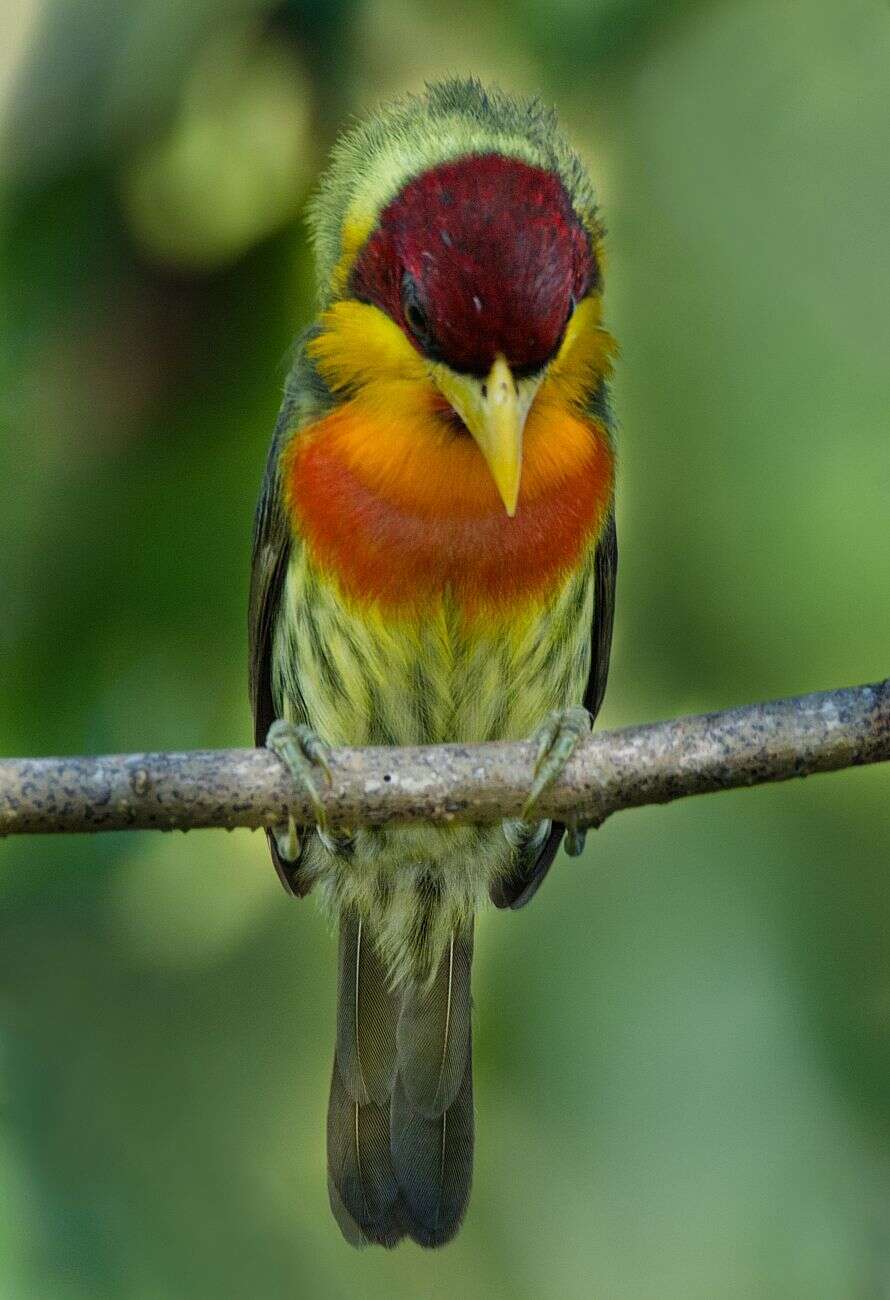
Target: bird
x,y
434,560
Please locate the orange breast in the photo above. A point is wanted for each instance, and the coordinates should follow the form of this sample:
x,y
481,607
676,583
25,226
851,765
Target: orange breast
x,y
397,505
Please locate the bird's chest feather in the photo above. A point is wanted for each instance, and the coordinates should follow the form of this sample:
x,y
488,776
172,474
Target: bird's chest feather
x,y
362,674
415,610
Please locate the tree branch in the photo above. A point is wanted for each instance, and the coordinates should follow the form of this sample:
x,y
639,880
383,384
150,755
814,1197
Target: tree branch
x,y
469,783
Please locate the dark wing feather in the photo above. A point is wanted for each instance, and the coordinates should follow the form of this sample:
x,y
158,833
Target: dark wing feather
x,y
606,563
305,397
271,552
518,888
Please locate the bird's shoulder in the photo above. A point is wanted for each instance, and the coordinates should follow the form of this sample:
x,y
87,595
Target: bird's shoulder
x,y
306,399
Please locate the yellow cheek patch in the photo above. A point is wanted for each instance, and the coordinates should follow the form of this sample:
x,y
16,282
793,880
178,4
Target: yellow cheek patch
x,y
585,357
360,346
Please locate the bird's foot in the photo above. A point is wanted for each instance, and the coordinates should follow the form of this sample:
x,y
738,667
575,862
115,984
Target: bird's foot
x,y
305,756
556,739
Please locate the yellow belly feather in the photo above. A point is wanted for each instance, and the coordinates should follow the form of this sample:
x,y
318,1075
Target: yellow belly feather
x,y
361,677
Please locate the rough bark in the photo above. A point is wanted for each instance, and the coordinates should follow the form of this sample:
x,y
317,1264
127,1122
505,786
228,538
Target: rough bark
x,y
471,783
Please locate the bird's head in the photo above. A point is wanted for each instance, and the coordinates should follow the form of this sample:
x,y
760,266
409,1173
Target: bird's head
x,y
459,250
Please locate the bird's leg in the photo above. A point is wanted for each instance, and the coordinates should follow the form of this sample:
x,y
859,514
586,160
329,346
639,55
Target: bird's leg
x,y
556,739
305,756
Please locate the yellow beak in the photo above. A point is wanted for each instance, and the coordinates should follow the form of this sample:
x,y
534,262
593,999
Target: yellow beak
x,y
494,410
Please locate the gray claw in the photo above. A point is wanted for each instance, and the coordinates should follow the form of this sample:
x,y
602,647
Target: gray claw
x,y
574,840
304,754
557,739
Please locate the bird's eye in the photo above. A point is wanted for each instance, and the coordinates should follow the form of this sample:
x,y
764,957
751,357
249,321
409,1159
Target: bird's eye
x,y
415,316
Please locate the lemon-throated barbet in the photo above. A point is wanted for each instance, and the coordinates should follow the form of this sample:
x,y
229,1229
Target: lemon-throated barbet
x,y
434,560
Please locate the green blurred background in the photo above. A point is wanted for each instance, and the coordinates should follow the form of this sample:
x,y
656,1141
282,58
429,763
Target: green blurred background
x,y
683,1046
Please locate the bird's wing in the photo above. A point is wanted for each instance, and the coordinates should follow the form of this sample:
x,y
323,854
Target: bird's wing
x,y
271,553
516,890
272,543
606,566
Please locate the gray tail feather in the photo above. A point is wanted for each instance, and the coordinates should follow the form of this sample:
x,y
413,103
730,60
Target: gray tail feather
x,y
400,1118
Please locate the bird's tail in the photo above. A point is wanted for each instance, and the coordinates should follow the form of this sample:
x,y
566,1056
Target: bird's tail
x,y
400,1118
